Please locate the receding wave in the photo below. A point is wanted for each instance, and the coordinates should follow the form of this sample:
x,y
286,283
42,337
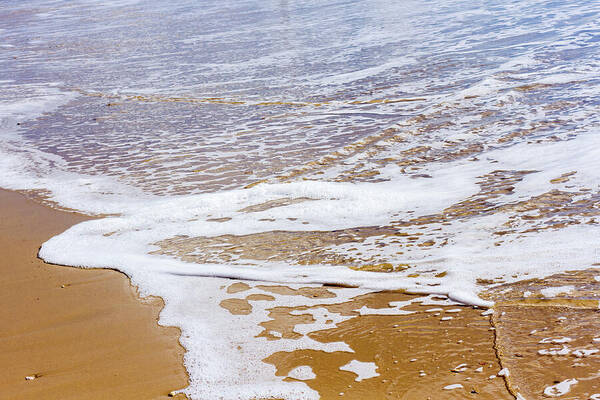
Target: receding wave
x,y
440,150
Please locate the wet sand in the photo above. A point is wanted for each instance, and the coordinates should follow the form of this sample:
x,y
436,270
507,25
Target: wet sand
x,y
86,334
418,351
80,334
543,334
548,334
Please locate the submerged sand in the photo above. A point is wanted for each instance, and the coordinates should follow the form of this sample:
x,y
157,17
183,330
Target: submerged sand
x,y
541,340
86,334
417,351
69,333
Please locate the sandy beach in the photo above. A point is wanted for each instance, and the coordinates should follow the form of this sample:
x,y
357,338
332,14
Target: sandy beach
x,y
539,342
79,333
299,200
76,333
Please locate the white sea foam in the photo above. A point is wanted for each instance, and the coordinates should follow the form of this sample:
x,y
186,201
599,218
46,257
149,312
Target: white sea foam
x,y
124,241
556,340
453,386
193,123
363,370
580,353
337,205
302,373
560,389
555,351
554,291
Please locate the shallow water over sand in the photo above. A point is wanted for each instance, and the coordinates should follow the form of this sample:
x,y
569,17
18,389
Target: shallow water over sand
x,y
440,148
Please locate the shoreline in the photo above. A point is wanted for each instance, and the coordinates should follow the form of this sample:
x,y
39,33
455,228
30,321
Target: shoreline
x,y
62,339
71,332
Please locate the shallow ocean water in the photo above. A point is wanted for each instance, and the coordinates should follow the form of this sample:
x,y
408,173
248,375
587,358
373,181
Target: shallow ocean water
x,y
439,147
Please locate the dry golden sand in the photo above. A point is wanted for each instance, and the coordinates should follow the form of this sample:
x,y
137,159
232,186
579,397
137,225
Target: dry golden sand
x,y
82,334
